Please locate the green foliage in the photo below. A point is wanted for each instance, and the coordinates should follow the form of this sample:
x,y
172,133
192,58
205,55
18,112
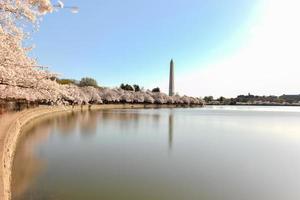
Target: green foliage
x,y
221,99
88,82
126,87
66,81
208,99
156,89
137,88
232,101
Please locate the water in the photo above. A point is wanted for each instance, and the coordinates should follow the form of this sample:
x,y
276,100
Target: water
x,y
212,153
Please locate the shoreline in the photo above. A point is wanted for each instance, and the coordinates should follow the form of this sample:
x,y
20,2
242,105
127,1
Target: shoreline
x,y
11,133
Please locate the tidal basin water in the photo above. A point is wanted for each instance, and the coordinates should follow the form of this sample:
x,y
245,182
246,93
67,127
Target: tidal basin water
x,y
211,153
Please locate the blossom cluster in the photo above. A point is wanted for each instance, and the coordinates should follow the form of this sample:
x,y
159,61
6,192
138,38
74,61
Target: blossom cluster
x,y
72,94
19,74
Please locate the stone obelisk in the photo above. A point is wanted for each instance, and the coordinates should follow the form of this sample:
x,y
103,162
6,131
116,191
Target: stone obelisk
x,y
171,83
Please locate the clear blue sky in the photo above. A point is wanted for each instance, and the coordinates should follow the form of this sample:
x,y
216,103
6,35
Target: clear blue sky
x,y
132,41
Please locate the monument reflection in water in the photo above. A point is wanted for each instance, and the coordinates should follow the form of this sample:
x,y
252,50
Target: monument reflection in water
x,y
161,154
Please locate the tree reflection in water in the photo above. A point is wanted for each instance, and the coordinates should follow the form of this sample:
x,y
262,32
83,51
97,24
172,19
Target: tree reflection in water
x,y
29,165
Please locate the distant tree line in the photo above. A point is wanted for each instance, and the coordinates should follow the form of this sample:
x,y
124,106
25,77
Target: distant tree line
x,y
87,91
84,82
87,81
253,99
136,88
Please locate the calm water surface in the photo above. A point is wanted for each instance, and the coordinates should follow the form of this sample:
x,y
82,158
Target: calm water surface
x,y
212,153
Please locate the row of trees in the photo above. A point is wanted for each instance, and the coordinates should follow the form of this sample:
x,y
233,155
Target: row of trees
x,y
70,94
87,81
136,88
82,83
221,100
254,99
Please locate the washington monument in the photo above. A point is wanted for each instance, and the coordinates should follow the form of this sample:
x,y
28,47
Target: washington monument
x,y
171,83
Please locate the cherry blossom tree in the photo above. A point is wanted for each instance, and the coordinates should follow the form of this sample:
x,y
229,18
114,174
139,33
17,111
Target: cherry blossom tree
x,y
148,98
92,94
19,72
109,95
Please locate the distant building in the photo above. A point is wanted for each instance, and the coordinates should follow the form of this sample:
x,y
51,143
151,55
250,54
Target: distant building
x,y
171,83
